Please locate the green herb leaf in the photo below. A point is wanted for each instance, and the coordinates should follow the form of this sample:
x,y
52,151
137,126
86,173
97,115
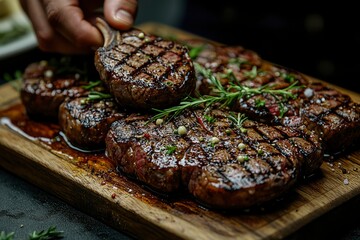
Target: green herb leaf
x,y
238,119
228,96
48,234
238,61
92,84
229,75
251,74
94,95
195,51
289,77
209,119
259,103
6,236
282,109
170,149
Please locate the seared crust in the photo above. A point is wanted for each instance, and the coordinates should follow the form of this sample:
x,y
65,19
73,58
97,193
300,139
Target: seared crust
x,y
143,71
86,123
221,165
215,173
43,91
333,115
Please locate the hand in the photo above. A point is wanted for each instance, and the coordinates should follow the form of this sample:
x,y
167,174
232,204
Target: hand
x,y
66,26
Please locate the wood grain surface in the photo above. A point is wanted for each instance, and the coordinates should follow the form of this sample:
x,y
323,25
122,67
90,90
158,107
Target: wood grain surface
x,y
131,208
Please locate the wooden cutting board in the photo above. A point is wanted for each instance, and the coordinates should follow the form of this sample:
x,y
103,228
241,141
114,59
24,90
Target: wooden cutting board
x,y
129,207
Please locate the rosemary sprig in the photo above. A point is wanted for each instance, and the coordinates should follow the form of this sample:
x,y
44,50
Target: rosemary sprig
x,y
92,84
238,119
188,102
237,91
227,96
95,95
48,234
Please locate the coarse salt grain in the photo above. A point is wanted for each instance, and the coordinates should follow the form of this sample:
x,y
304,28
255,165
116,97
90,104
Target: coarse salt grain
x,y
346,181
308,92
48,73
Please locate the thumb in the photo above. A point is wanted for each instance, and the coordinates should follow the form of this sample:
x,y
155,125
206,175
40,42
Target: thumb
x,y
120,14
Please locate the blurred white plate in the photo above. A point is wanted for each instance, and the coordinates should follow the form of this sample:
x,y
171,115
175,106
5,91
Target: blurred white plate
x,y
23,42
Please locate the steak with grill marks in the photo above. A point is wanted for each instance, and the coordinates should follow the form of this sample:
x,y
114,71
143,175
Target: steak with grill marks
x,y
221,59
85,122
333,115
221,165
143,71
43,90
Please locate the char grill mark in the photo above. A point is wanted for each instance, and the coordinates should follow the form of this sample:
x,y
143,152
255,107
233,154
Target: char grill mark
x,y
335,117
85,123
212,172
143,71
326,111
138,61
43,90
301,146
277,154
220,59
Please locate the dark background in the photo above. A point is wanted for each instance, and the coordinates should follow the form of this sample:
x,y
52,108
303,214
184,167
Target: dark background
x,y
318,39
321,40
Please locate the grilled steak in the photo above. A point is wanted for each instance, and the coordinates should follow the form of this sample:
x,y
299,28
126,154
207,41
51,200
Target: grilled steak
x,y
333,115
143,71
222,60
222,165
85,123
44,90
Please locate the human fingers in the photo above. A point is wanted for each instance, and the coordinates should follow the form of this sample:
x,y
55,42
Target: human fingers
x,y
48,40
67,17
120,14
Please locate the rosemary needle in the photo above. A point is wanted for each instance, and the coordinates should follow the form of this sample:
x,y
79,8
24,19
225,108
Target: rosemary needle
x,y
94,95
48,234
92,84
227,96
